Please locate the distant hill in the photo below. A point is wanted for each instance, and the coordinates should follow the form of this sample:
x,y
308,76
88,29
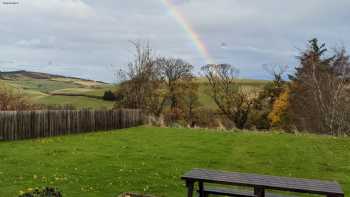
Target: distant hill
x,y
22,73
12,75
53,89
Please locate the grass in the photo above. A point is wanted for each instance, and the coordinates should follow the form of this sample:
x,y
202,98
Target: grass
x,y
244,82
76,101
152,160
40,91
73,91
86,91
100,91
42,85
253,86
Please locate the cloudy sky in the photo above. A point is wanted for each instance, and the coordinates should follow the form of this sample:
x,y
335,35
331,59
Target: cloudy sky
x,y
91,38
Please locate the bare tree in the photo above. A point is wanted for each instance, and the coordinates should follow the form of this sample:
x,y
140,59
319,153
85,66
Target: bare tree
x,y
319,96
141,82
190,101
150,83
276,71
273,89
232,100
174,72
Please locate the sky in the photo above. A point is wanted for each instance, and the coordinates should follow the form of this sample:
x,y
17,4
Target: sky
x,y
91,38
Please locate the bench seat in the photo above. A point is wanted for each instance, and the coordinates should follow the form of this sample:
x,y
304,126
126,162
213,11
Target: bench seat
x,y
259,184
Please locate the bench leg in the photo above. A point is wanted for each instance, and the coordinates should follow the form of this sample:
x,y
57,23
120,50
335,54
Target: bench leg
x,y
334,195
189,185
201,189
259,192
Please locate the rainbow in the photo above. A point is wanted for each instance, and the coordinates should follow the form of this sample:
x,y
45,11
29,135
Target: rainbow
x,y
193,35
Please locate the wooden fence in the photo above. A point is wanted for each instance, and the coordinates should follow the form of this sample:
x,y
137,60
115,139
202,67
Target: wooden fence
x,y
17,125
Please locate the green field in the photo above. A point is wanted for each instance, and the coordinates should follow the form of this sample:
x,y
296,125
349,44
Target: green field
x,y
42,85
68,96
98,92
41,88
76,101
151,160
250,85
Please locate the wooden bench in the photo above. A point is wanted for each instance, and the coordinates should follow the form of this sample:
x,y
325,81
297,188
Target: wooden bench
x,y
259,183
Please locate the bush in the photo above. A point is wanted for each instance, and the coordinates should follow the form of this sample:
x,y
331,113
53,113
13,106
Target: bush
x,y
259,120
174,117
209,118
11,100
46,192
109,96
279,115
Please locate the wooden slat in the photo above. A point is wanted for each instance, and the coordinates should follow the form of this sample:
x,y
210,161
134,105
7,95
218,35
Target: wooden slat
x,y
265,181
228,192
238,193
34,124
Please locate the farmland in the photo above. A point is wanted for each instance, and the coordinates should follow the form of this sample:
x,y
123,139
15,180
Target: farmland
x,y
253,86
47,89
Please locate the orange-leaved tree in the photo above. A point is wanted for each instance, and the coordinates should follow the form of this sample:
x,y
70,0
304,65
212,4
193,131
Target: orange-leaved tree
x,y
279,113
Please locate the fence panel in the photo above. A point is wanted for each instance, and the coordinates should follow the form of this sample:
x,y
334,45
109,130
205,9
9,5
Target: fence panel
x,y
18,125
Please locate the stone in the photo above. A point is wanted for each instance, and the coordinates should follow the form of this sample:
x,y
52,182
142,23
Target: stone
x,y
131,194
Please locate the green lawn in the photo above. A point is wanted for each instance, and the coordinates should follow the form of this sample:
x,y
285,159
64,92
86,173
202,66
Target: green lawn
x,y
153,159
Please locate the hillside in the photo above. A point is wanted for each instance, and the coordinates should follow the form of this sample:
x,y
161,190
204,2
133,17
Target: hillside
x,y
250,85
51,89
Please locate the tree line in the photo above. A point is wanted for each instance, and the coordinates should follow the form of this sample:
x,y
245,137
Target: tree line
x,y
315,98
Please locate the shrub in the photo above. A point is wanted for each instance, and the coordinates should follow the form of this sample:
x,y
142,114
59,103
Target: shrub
x,y
12,100
46,192
109,96
259,120
210,118
174,117
279,116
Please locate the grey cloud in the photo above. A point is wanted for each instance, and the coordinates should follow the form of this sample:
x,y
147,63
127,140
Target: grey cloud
x,y
84,37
